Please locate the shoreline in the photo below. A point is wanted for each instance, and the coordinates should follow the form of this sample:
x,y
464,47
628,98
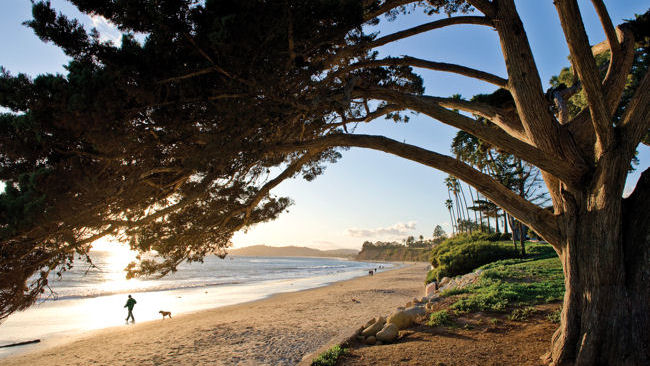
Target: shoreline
x,y
277,330
56,322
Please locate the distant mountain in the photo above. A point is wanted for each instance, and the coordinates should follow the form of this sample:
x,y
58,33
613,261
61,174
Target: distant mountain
x,y
291,251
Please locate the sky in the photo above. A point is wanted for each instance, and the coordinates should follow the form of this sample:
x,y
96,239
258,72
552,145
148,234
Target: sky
x,y
367,195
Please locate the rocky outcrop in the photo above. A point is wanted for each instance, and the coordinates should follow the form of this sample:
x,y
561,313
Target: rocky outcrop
x,y
388,333
447,283
405,318
375,327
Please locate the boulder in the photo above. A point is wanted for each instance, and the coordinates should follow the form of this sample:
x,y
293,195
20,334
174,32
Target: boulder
x,y
388,333
404,318
444,281
369,323
374,328
371,340
401,319
416,311
431,288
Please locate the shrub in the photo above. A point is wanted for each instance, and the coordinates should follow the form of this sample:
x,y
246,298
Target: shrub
x,y
458,256
329,357
522,314
555,316
439,318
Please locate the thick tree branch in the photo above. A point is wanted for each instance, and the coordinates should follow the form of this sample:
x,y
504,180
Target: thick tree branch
x,y
484,6
542,221
619,69
432,65
636,119
495,115
566,171
608,27
524,83
476,20
585,65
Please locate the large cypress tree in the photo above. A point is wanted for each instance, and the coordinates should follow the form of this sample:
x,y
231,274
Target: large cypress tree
x,y
167,141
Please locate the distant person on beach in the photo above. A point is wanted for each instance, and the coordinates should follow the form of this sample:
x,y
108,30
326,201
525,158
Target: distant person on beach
x,y
130,303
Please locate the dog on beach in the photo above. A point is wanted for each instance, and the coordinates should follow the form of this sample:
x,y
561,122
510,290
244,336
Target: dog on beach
x,y
166,313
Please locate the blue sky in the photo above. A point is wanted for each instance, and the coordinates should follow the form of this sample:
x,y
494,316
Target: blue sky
x,y
367,195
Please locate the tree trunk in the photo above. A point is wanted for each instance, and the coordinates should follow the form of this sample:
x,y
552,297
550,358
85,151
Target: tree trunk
x,y
511,221
522,239
606,260
467,221
473,203
496,222
505,222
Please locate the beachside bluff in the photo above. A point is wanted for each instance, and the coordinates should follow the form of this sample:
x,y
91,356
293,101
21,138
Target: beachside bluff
x,y
201,99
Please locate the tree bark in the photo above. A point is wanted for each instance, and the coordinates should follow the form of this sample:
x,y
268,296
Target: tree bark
x,y
606,260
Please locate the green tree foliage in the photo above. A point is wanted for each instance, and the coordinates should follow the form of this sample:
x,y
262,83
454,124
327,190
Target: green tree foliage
x,y
174,139
167,139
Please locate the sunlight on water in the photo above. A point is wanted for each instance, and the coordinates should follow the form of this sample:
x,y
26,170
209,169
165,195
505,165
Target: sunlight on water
x,y
94,298
113,273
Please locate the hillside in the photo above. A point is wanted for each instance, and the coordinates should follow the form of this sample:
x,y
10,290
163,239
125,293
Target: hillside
x,y
291,251
394,254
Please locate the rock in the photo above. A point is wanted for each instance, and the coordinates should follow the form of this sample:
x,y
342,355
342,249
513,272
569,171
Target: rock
x,y
444,281
379,343
416,311
423,300
360,338
404,318
401,319
431,288
415,301
371,340
369,323
388,333
375,327
409,304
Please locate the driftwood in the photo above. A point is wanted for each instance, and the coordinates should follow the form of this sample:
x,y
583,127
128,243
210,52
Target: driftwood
x,y
21,343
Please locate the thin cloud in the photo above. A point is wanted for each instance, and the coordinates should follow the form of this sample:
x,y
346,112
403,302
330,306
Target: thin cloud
x,y
107,30
399,229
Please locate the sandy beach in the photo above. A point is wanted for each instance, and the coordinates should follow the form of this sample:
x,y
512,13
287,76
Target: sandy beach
x,y
276,331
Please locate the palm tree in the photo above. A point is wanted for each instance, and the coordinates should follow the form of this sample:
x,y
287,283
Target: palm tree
x,y
449,204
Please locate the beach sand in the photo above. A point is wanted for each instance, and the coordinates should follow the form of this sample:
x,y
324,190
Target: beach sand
x,y
278,330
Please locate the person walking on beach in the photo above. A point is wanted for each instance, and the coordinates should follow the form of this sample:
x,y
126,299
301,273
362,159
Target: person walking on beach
x,y
130,303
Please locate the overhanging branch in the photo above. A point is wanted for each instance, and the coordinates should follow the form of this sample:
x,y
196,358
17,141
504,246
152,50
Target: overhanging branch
x,y
542,221
476,20
432,65
570,173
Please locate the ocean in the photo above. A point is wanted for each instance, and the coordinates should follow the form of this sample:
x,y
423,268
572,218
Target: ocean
x,y
90,298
